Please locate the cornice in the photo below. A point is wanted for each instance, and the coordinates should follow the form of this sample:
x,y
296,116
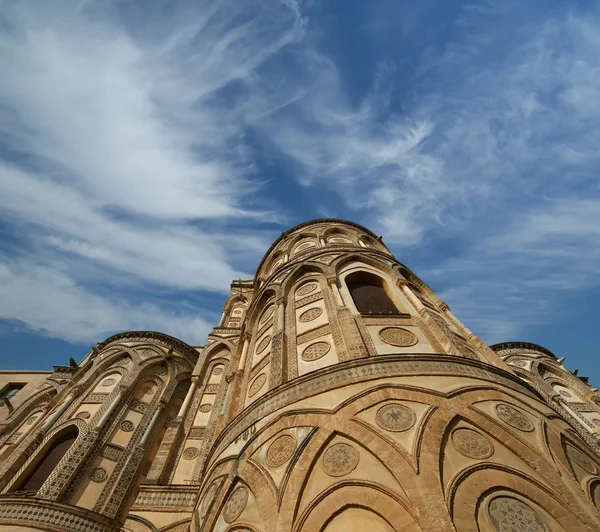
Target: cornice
x,y
141,336
521,345
308,224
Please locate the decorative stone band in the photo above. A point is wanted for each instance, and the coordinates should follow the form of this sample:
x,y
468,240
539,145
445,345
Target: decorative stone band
x,y
49,515
362,369
180,497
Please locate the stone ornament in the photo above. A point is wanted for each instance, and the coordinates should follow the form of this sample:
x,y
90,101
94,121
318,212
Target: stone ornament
x,y
395,417
513,417
257,384
190,453
149,390
519,363
262,345
83,415
398,337
206,407
472,444
281,450
126,426
581,460
511,515
315,351
310,314
306,289
208,499
147,353
596,421
99,474
267,314
31,420
236,504
564,393
217,370
108,382
340,459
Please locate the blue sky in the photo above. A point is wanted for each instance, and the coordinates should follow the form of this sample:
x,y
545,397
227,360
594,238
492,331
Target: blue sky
x,y
151,151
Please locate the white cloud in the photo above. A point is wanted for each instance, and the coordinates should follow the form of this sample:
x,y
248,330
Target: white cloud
x,y
125,161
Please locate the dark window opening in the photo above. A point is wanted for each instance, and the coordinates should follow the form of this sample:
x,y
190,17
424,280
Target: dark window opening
x,y
369,295
11,390
49,460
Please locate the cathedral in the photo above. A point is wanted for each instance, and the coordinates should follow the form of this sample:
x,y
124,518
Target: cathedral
x,y
337,393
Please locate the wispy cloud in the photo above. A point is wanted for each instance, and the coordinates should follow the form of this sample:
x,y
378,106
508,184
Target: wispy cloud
x,y
124,158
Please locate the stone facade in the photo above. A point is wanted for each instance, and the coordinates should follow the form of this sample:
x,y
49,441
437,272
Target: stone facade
x,y
302,413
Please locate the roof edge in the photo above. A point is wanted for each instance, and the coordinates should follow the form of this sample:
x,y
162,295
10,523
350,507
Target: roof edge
x,y
522,345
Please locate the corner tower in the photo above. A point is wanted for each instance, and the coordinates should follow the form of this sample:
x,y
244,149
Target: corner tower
x,y
358,401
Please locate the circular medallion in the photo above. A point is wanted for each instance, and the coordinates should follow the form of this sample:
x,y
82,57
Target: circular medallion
x,y
304,246
581,460
108,382
596,421
147,353
281,450
306,289
398,337
98,475
310,314
190,453
315,351
161,370
564,393
83,415
262,345
513,417
126,425
236,504
340,459
149,390
31,420
395,417
217,370
257,384
206,407
208,499
267,314
339,240
472,444
511,515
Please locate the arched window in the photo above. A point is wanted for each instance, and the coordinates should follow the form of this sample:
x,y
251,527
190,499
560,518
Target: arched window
x,y
38,475
369,294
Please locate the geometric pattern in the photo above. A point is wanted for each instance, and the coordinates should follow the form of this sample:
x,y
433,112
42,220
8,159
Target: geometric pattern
x,y
511,515
340,459
236,504
513,417
395,417
398,337
281,450
472,444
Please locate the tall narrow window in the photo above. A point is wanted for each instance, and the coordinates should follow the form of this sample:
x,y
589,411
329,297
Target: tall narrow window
x,y
369,295
49,460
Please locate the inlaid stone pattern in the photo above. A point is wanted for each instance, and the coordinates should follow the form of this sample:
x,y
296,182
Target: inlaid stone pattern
x,y
108,382
310,315
149,390
31,420
206,407
398,337
126,426
190,453
596,421
315,351
263,344
236,504
217,371
98,475
267,314
306,289
340,459
581,460
281,450
472,444
566,394
395,417
513,417
511,515
257,384
208,499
